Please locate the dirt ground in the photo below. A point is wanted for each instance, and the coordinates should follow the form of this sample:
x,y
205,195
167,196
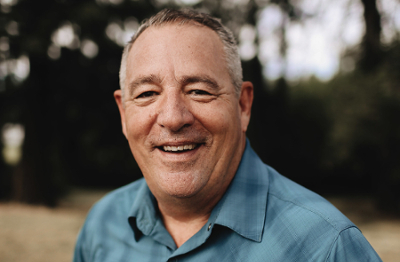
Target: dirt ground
x,y
40,234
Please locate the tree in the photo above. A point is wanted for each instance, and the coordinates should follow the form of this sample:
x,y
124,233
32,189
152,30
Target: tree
x,y
371,44
66,103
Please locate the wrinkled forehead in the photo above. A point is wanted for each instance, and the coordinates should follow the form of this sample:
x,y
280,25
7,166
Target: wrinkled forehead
x,y
177,23
190,42
181,23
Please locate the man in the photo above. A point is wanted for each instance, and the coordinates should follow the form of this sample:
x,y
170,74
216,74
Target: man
x,y
205,196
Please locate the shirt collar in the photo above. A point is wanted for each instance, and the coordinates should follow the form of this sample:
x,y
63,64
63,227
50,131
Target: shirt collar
x,y
144,218
143,214
243,207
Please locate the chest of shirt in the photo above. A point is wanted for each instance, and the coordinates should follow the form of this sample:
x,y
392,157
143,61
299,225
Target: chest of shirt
x,y
222,245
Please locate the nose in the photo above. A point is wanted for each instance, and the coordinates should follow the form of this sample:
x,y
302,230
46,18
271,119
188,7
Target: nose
x,y
174,113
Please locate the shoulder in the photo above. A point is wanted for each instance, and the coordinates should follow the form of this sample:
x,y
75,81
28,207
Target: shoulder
x,y
285,193
119,200
312,225
114,207
107,224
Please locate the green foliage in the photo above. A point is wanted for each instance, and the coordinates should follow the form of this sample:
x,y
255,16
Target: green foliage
x,y
73,132
362,147
290,131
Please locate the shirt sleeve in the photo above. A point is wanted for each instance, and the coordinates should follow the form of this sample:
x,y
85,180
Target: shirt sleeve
x,y
351,246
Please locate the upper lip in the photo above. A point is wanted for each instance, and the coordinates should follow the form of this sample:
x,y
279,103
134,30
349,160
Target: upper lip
x,y
179,142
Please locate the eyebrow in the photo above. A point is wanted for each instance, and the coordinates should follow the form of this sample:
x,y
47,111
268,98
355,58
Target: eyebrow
x,y
185,80
142,80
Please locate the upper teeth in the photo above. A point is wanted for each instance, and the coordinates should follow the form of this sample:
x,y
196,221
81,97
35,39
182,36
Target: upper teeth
x,y
179,148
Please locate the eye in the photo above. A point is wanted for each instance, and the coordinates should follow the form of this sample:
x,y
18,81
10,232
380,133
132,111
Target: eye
x,y
199,92
147,94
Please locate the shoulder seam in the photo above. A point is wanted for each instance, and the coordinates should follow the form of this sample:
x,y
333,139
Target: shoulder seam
x,y
336,238
313,211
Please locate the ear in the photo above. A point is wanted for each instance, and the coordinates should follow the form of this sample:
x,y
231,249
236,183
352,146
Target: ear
x,y
121,107
245,103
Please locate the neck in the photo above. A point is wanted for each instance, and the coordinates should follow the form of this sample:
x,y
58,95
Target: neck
x,y
184,217
182,230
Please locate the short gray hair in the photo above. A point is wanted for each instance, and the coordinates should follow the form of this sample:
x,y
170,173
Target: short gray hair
x,y
182,17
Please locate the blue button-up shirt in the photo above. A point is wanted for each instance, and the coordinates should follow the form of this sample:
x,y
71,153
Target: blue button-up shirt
x,y
263,216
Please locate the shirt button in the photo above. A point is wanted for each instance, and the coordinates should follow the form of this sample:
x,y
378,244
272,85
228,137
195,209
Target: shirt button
x,y
209,226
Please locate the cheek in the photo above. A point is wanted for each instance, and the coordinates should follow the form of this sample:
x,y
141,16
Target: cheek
x,y
218,118
138,123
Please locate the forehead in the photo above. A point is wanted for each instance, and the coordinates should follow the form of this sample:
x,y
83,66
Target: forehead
x,y
181,46
175,31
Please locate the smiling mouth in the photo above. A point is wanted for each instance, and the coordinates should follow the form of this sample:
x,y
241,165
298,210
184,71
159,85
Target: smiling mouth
x,y
178,149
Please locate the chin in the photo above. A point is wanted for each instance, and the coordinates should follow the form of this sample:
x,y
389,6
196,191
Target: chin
x,y
181,195
182,190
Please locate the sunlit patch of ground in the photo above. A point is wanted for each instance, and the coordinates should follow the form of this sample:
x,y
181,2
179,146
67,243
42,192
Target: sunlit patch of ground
x,y
40,234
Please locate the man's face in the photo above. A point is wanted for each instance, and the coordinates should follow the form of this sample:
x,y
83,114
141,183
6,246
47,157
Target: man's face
x,y
184,123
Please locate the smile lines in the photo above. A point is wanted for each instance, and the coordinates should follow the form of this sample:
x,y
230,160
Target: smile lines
x,y
178,148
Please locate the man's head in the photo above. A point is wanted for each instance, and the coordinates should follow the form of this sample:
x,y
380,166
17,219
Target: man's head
x,y
183,117
188,16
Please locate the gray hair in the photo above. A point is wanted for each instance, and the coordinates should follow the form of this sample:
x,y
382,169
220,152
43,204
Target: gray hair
x,y
182,17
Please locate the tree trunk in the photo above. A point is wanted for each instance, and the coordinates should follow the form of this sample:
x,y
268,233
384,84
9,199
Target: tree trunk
x,y
371,46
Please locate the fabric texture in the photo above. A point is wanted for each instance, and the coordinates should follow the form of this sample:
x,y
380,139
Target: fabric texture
x,y
263,216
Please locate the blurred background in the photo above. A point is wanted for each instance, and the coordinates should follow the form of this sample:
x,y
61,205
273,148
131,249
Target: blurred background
x,y
327,94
